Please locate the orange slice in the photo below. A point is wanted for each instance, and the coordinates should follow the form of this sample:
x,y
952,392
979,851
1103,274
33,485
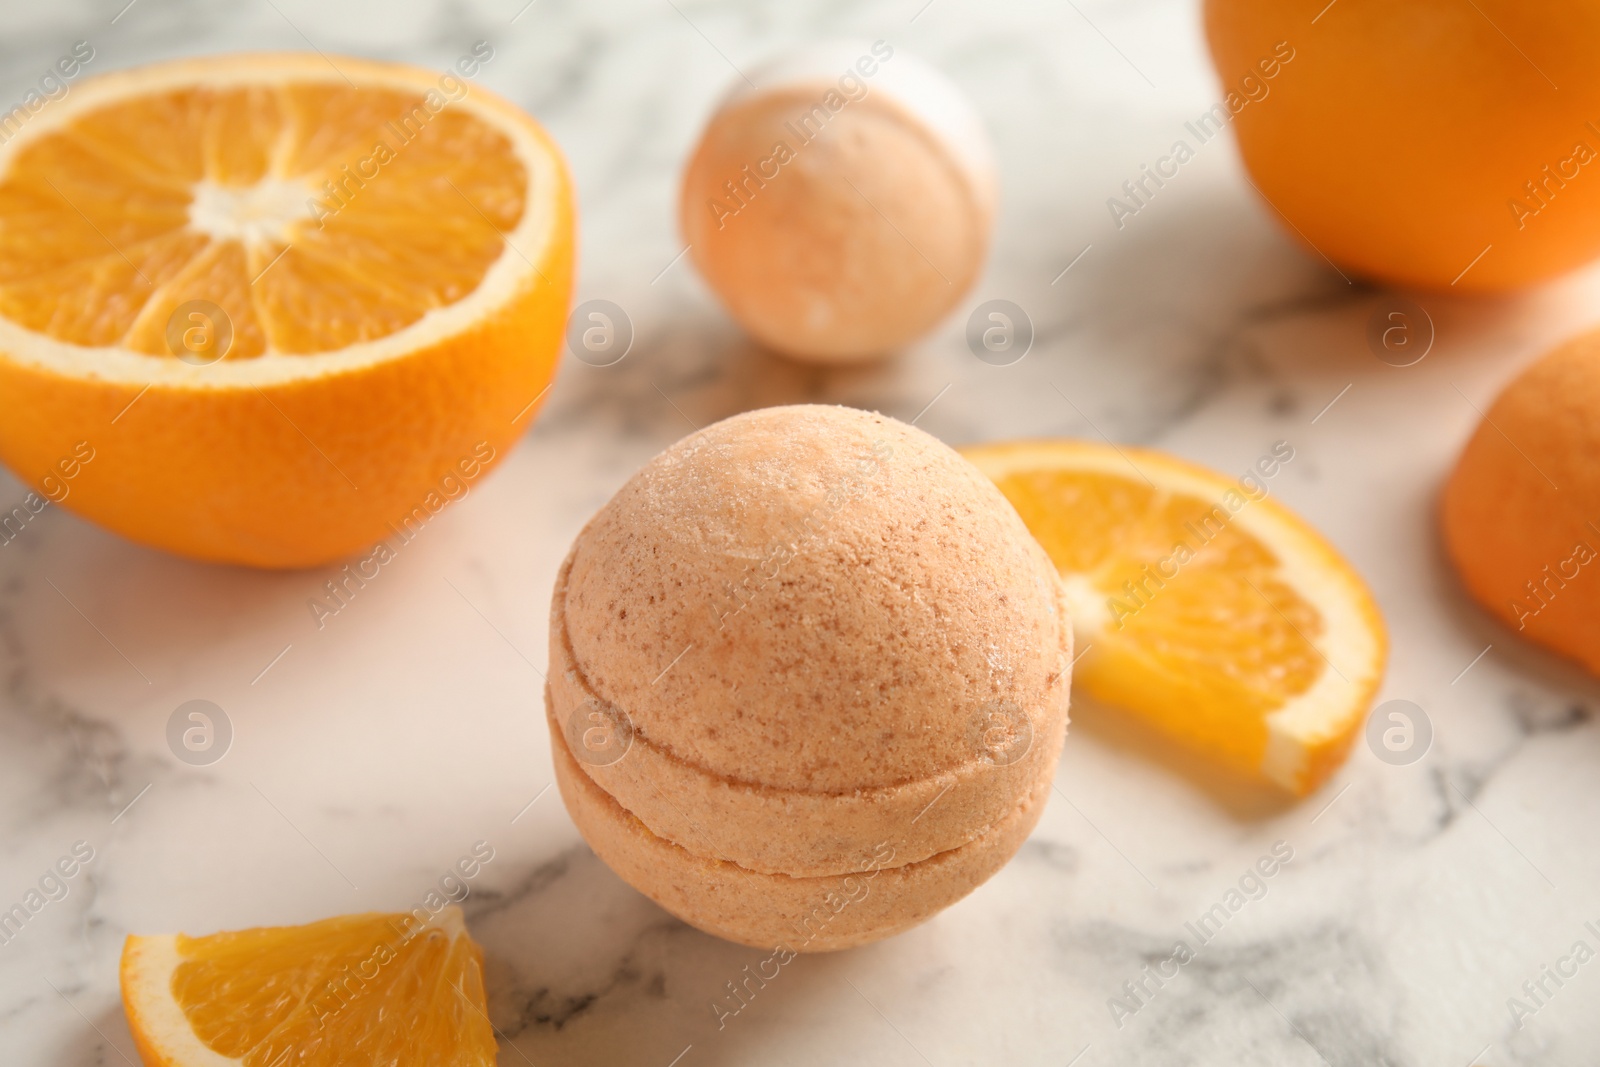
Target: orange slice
x,y
1201,604
283,303
350,991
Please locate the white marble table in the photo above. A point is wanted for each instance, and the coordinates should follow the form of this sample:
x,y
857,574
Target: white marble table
x,y
369,755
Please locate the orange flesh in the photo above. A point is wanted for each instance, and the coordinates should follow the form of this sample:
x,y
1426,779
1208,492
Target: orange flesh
x,y
99,239
268,996
1221,636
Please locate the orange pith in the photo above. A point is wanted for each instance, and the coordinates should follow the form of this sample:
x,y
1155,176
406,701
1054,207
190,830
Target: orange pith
x,y
353,990
392,262
1201,604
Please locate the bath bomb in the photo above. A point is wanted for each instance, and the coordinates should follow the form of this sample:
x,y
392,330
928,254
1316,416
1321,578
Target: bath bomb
x,y
1518,510
808,678
841,204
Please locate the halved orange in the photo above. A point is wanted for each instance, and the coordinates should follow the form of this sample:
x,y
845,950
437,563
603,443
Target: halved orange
x,y
284,303
374,989
1201,604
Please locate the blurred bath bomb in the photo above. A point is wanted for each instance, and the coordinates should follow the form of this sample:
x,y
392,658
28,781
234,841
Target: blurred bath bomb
x,y
1518,508
842,205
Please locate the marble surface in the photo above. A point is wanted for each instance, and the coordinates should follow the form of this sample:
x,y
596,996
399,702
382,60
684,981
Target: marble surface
x,y
369,755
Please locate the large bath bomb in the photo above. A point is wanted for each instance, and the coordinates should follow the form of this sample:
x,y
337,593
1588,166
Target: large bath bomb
x,y
840,205
808,678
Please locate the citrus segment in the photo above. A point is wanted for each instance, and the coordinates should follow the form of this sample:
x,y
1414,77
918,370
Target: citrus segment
x,y
1201,604
357,989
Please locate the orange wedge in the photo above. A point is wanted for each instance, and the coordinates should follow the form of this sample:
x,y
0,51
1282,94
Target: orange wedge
x,y
1201,604
351,991
283,304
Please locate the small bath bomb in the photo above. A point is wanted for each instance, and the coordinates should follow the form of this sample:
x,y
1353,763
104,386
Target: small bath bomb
x,y
808,678
842,204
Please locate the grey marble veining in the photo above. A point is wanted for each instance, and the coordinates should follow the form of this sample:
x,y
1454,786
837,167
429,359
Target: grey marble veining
x,y
373,752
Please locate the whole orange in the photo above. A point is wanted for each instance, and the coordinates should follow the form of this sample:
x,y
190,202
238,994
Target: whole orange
x,y
1423,143
1522,509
